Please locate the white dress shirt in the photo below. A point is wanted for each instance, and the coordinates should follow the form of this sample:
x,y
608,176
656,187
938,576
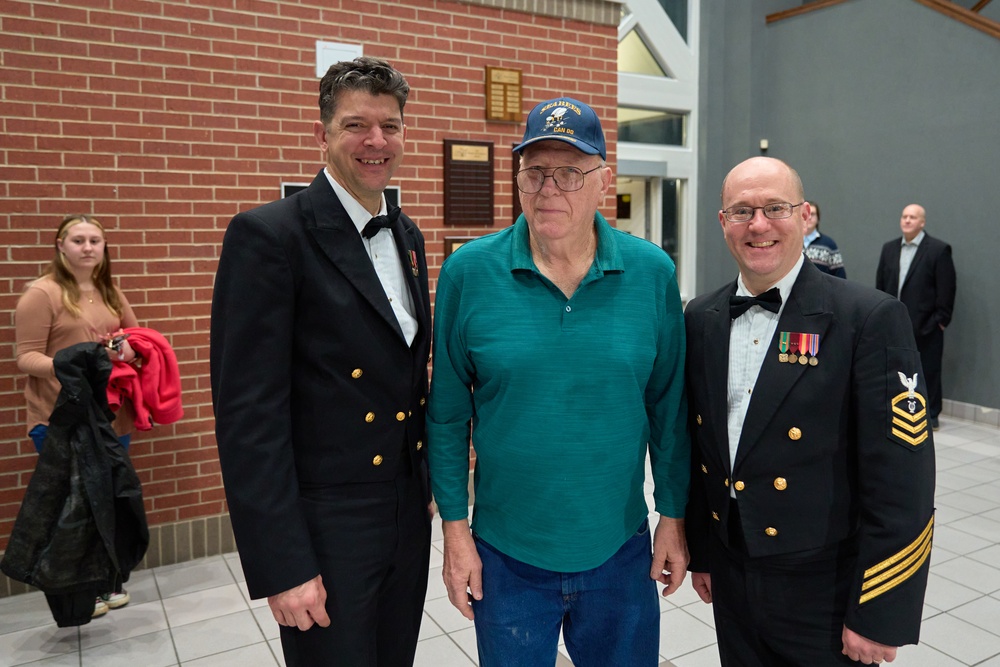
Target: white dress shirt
x,y
906,253
382,251
750,337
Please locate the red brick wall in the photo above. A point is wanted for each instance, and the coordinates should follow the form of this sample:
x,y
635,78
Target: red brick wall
x,y
164,119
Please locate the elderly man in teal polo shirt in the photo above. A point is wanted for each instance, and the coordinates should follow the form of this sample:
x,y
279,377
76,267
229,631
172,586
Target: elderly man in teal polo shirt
x,y
561,340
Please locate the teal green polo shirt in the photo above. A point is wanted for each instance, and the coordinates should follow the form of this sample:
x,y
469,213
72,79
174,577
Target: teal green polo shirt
x,y
563,395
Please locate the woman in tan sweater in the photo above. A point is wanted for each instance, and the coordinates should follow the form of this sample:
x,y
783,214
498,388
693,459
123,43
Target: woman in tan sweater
x,y
74,301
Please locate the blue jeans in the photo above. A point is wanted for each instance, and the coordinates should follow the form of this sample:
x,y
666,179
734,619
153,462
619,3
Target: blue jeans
x,y
609,615
37,436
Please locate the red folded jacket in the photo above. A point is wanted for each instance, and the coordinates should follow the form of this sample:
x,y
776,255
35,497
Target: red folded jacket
x,y
155,387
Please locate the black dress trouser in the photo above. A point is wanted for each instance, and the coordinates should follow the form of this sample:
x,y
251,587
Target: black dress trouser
x,y
373,543
783,611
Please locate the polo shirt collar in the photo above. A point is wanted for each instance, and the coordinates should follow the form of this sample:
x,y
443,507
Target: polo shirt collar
x,y
607,260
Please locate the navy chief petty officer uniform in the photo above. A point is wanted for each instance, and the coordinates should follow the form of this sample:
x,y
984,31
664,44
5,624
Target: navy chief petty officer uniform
x,y
829,502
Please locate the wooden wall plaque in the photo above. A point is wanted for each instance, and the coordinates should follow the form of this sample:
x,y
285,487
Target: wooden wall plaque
x,y
468,182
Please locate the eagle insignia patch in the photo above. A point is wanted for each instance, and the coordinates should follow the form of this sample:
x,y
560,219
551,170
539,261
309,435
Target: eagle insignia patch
x,y
909,413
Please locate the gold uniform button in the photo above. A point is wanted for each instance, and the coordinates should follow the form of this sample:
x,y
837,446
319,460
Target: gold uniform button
x,y
420,445
704,469
794,433
370,417
698,419
356,373
400,416
726,482
770,532
780,483
423,401
409,413
377,461
715,515
739,486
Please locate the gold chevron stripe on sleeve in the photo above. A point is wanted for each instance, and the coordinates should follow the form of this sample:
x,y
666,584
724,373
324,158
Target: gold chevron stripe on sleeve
x,y
891,560
910,439
899,567
900,579
896,569
910,428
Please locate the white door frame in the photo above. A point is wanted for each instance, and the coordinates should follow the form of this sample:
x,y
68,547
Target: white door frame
x,y
678,94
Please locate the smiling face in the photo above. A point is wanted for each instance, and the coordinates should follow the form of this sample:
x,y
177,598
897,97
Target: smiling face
x,y
363,144
764,249
553,214
82,248
912,221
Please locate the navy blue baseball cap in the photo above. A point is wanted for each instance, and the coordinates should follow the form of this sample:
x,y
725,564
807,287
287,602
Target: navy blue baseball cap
x,y
565,119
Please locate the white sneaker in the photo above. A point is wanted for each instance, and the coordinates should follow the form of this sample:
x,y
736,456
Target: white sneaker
x,y
115,600
100,609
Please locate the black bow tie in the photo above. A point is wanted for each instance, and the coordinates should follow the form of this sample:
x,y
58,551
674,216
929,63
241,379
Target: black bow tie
x,y
769,300
380,222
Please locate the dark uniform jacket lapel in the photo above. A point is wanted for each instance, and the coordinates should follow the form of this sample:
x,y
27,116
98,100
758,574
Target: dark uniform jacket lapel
x,y
716,369
806,311
415,274
328,223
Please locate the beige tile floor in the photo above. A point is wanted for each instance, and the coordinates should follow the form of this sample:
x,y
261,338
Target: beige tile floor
x,y
198,614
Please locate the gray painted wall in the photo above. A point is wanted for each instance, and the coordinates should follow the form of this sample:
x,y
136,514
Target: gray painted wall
x,y
877,104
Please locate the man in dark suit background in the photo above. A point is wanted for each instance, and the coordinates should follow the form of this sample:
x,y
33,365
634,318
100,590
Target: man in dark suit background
x,y
919,271
319,350
811,511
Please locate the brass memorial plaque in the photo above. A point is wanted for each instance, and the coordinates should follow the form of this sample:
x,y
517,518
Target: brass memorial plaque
x,y
503,94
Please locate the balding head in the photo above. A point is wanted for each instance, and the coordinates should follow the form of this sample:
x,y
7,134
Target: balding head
x,y
765,248
912,221
766,166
